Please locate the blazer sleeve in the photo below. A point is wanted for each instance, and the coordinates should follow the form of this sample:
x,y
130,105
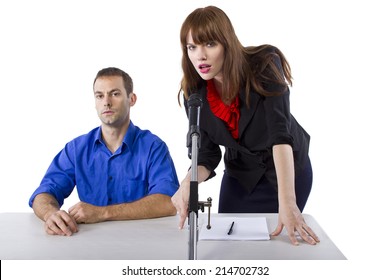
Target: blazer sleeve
x,y
277,113
278,118
209,154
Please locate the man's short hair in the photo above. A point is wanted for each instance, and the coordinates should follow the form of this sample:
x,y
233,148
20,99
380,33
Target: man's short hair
x,y
113,71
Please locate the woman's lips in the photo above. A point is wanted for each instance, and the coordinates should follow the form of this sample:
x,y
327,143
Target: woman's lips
x,y
204,68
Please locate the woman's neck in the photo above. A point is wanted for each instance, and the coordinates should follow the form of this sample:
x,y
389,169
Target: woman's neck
x,y
218,84
218,88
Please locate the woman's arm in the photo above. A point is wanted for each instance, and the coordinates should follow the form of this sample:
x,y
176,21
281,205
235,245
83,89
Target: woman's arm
x,y
289,214
181,197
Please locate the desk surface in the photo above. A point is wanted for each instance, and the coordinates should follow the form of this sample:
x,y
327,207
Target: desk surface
x,y
22,236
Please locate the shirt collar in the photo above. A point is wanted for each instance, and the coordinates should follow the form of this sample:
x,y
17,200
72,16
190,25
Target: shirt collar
x,y
128,140
130,135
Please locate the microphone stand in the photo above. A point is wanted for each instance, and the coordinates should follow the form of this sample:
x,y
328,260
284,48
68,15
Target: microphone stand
x,y
193,201
193,144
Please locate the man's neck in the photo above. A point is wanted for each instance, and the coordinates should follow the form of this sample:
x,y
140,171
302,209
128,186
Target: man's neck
x,y
113,136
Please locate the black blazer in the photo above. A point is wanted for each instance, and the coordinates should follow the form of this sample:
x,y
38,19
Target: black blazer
x,y
265,123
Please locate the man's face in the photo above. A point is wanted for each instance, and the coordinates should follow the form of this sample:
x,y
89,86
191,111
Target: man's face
x,y
112,101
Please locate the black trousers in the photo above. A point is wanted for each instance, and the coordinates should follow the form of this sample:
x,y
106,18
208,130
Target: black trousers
x,y
234,198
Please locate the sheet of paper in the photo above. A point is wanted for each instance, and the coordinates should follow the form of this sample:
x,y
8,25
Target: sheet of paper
x,y
245,228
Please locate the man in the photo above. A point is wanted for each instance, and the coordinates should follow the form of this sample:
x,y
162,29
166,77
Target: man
x,y
121,172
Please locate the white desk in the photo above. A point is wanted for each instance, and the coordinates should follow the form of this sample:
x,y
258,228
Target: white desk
x,y
22,237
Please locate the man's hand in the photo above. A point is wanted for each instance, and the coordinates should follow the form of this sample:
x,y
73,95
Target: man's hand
x,y
60,223
85,213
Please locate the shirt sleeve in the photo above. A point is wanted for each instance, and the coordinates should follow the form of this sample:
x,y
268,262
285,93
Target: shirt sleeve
x,y
59,180
162,177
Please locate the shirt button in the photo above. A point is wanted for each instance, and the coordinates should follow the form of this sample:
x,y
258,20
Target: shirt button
x,y
110,178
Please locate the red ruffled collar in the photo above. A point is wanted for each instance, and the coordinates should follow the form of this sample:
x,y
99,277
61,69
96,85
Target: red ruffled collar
x,y
230,114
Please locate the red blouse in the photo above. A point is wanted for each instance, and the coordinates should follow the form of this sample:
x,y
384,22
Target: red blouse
x,y
230,114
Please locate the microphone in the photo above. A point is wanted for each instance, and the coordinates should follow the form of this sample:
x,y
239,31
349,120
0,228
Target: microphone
x,y
194,105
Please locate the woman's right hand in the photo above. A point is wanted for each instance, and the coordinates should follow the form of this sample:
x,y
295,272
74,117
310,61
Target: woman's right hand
x,y
180,201
182,196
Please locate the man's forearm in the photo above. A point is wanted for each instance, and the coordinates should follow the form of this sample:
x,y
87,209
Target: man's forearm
x,y
45,204
151,206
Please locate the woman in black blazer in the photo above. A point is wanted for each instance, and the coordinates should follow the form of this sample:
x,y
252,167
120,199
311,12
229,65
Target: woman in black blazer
x,y
246,109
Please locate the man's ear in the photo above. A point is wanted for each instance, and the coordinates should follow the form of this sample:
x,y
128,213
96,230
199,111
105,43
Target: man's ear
x,y
133,99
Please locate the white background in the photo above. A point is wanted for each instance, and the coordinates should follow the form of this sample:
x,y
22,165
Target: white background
x,y
50,52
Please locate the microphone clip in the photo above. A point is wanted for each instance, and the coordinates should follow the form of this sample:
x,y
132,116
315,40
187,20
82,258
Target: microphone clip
x,y
194,104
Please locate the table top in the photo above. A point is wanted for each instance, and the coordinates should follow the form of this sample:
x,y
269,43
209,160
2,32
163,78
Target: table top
x,y
22,237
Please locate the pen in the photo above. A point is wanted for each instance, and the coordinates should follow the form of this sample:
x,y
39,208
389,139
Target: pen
x,y
230,229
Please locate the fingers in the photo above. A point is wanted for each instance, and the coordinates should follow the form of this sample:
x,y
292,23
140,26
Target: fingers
x,y
82,213
312,234
57,228
292,237
72,224
278,230
75,209
181,205
306,233
290,233
74,213
309,235
183,213
182,220
60,223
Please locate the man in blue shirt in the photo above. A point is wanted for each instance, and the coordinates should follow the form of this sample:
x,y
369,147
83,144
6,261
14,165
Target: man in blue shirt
x,y
120,171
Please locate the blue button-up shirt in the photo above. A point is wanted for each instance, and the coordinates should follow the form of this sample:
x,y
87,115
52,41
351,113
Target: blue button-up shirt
x,y
141,166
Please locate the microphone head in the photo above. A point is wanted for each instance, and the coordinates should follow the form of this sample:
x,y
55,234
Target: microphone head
x,y
195,100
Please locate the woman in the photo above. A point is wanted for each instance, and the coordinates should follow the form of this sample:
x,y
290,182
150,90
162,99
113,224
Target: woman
x,y
245,108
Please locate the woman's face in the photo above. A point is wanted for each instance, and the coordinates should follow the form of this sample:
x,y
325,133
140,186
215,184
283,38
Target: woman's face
x,y
207,58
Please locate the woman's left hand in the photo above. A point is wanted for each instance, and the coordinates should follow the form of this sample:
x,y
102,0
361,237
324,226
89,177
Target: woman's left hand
x,y
291,218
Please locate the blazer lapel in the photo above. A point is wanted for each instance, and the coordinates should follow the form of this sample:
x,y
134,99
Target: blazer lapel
x,y
208,119
215,124
246,114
